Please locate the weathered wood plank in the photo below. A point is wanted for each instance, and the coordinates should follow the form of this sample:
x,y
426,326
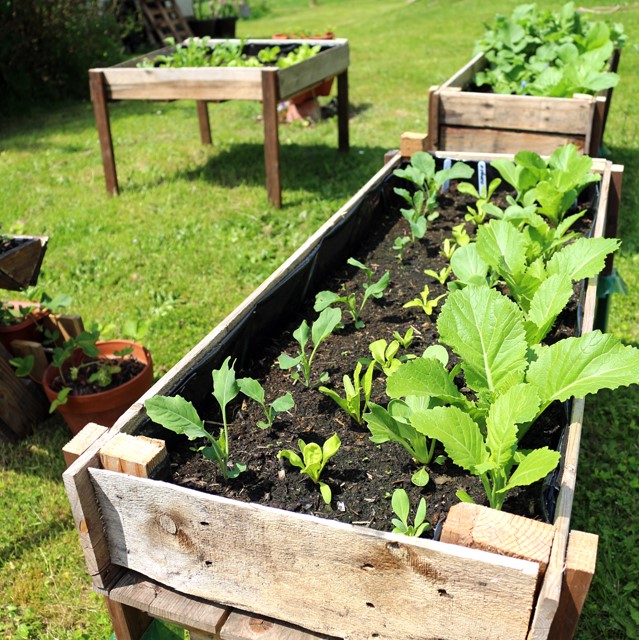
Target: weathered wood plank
x,y
412,142
478,527
204,122
243,626
353,568
128,623
581,559
73,449
462,77
20,266
343,115
136,455
158,601
98,86
566,116
271,97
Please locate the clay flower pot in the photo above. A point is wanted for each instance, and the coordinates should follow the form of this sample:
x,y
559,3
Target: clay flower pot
x,y
107,406
26,329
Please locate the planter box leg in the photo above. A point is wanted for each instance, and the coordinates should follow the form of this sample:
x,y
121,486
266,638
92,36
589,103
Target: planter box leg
x,y
128,623
203,118
342,111
270,95
101,110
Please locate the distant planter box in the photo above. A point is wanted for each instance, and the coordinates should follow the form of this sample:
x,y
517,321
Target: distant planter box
x,y
492,574
485,122
269,85
20,263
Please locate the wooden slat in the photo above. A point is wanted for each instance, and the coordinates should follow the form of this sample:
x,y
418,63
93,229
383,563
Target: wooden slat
x,y
478,527
158,601
243,626
97,84
566,116
128,623
433,138
136,455
270,100
343,114
20,266
73,449
462,77
411,142
204,122
24,348
353,568
581,559
499,141
166,19
612,213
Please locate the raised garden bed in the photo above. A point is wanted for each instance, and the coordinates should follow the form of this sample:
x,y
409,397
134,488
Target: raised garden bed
x,y
20,260
268,84
357,582
466,119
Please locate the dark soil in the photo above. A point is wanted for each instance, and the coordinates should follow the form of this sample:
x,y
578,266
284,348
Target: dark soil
x,y
362,475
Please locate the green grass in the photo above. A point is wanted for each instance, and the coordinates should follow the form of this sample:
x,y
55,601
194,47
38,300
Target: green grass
x,y
192,233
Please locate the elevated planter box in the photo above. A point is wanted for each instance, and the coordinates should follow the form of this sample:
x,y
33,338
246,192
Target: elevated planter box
x,y
491,575
478,121
20,264
269,85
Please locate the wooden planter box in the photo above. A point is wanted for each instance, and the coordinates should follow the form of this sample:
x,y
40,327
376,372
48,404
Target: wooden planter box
x,y
270,85
492,575
20,266
492,123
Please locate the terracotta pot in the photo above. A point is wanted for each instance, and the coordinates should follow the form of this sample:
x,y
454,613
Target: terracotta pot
x,y
104,407
26,329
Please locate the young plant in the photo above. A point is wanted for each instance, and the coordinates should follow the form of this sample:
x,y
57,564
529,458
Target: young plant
x,y
254,390
442,276
460,235
448,248
423,302
404,340
325,324
400,245
401,508
483,206
351,403
513,384
325,299
313,461
180,416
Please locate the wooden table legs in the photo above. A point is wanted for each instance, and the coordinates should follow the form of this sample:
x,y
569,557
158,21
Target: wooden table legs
x,y
203,118
101,110
342,111
270,98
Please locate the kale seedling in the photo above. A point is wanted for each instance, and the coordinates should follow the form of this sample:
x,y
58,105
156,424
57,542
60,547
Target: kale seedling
x,y
325,324
352,401
401,508
313,461
180,416
325,299
254,390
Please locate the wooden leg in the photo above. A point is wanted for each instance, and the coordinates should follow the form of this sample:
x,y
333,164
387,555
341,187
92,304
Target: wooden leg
x,y
101,110
342,111
203,117
270,96
128,623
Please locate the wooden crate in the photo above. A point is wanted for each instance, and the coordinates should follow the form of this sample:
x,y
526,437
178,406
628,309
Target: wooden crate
x,y
493,575
493,123
270,85
20,266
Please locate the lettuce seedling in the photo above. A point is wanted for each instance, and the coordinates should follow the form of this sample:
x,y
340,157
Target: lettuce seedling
x,y
254,390
180,416
423,302
325,299
460,235
351,403
404,340
401,508
325,324
400,245
483,206
442,276
313,461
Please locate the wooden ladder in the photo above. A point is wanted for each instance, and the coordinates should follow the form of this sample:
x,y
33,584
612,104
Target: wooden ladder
x,y
166,20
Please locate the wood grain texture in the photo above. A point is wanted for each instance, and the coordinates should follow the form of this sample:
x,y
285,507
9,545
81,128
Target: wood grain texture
x,y
73,449
20,266
270,100
244,626
173,535
98,86
203,121
581,559
136,455
128,623
158,601
24,348
478,527
462,77
412,142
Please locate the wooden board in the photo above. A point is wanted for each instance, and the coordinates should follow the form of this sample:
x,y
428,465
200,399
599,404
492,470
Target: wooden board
x,y
244,626
257,558
20,266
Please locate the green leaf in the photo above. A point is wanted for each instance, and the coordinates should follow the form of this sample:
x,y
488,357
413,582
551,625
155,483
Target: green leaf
x,y
547,303
24,365
401,505
376,290
176,414
330,447
252,388
464,496
325,491
583,258
535,466
468,266
235,470
486,330
292,457
502,246
302,334
325,299
325,324
579,366
420,478
287,362
457,431
437,352
60,399
283,403
312,454
224,384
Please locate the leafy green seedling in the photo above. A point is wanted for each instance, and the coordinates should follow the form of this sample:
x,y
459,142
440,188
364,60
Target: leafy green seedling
x,y
254,390
442,276
325,324
400,245
180,416
448,248
423,302
351,403
384,353
313,461
404,340
483,206
401,508
460,235
325,299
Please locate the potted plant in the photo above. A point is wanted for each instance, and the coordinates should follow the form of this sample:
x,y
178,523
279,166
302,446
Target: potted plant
x,y
539,79
349,569
215,18
20,260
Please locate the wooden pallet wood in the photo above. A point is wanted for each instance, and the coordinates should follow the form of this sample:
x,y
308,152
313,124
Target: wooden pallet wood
x,y
20,266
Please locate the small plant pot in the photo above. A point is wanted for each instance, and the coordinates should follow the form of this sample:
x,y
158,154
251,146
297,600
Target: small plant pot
x,y
104,407
26,329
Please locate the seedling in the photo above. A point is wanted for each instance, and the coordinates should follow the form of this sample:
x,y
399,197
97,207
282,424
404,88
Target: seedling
x,y
460,235
313,461
400,245
483,206
254,390
325,324
423,302
351,403
401,508
180,416
404,340
325,299
442,276
448,248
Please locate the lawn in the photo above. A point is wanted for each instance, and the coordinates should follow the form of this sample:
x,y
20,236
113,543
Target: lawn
x,y
192,234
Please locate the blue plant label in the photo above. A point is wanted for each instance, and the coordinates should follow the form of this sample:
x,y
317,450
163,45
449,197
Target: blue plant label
x,y
482,187
448,163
